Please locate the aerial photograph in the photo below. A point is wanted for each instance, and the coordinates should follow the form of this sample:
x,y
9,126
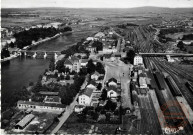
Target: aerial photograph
x,y
96,67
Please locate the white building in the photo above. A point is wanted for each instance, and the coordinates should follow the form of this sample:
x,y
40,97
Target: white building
x,y
85,97
41,106
169,58
138,60
95,75
73,64
112,92
83,62
112,83
142,82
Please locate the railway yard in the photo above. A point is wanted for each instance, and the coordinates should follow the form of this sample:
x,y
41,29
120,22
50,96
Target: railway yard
x,y
170,85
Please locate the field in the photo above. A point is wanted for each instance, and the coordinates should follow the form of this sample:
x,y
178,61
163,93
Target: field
x,y
72,126
143,15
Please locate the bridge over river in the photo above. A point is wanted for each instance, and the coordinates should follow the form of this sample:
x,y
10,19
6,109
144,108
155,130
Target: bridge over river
x,y
37,54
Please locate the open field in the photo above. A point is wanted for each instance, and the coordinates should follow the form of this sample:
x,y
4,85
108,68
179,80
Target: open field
x,y
73,126
143,15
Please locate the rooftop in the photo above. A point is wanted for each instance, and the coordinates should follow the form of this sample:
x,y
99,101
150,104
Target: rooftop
x,y
48,93
41,104
87,92
25,120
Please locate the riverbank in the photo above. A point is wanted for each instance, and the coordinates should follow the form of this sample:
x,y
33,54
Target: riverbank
x,y
48,39
12,56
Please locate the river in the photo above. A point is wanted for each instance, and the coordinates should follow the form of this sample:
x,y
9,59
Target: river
x,y
19,72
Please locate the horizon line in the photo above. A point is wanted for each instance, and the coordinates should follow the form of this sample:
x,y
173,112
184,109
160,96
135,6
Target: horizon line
x,y
98,7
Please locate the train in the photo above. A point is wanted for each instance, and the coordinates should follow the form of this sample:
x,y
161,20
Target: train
x,y
173,86
160,81
189,86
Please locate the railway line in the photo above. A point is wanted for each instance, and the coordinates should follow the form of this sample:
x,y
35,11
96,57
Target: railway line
x,y
184,90
165,96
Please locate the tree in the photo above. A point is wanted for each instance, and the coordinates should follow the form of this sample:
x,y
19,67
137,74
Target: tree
x,y
98,45
130,56
61,77
100,68
104,94
67,77
90,67
52,64
11,45
110,105
180,45
5,53
99,86
31,83
60,66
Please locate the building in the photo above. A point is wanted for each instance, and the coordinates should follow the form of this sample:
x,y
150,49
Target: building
x,y
91,49
169,58
112,92
85,97
83,62
82,55
48,93
41,106
73,64
142,81
25,121
99,35
112,80
79,108
89,38
95,75
138,60
91,86
52,99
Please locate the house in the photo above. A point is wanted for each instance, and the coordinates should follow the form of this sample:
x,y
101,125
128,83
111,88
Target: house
x,y
99,35
52,99
112,92
138,60
83,62
169,58
89,38
72,63
85,97
91,86
95,75
82,55
91,48
112,80
107,57
48,93
79,108
142,81
112,83
25,121
41,106
102,102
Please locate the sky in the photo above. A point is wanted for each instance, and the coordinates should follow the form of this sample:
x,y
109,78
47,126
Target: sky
x,y
95,3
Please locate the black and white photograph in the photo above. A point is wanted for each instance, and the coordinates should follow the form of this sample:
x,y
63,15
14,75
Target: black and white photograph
x,y
96,67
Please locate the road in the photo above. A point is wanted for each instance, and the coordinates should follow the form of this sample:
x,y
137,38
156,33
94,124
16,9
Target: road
x,y
121,72
67,113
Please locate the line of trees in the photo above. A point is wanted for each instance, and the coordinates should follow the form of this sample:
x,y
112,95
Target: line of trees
x,y
187,37
4,53
25,38
78,48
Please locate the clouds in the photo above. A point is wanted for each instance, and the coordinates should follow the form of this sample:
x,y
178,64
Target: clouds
x,y
95,3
